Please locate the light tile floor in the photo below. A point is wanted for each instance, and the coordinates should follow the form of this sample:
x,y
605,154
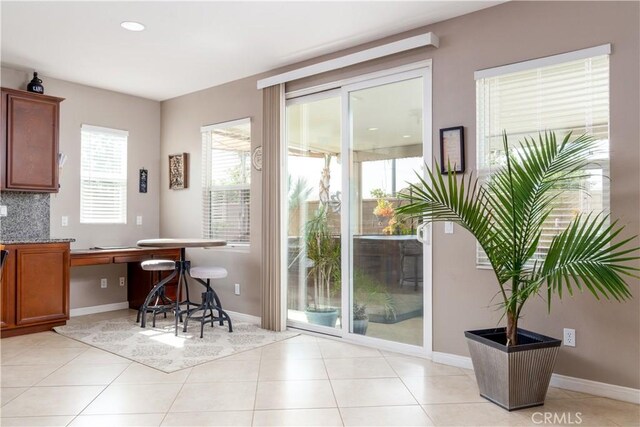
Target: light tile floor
x,y
50,380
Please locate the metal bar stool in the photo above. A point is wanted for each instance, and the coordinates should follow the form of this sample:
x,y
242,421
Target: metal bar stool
x,y
162,303
210,300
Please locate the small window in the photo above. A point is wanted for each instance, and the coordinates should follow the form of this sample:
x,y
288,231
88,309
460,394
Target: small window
x,y
566,97
226,188
103,175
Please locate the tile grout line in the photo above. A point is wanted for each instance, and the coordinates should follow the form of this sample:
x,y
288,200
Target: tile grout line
x,y
102,391
405,386
255,396
331,385
177,394
47,376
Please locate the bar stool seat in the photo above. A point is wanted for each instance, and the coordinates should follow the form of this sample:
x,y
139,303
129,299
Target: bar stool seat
x,y
208,272
162,303
158,265
210,300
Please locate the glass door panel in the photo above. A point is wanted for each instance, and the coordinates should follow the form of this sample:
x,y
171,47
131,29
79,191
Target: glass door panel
x,y
386,149
314,183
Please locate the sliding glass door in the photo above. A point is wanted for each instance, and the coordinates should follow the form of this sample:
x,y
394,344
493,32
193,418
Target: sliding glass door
x,y
386,259
314,291
354,267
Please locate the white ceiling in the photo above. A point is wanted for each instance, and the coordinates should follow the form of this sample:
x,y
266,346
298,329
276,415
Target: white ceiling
x,y
385,118
188,46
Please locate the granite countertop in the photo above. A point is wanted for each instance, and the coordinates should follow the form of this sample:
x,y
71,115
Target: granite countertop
x,y
34,241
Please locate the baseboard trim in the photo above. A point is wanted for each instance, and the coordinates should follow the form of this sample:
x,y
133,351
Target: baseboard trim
x,y
242,317
612,391
98,309
452,360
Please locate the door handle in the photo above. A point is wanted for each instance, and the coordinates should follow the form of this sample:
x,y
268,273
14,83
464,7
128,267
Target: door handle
x,y
423,233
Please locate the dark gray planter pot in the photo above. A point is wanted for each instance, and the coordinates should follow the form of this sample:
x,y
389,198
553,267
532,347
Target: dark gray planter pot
x,y
513,377
360,326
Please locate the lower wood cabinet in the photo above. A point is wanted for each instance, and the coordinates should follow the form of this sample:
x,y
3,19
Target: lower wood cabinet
x,y
35,288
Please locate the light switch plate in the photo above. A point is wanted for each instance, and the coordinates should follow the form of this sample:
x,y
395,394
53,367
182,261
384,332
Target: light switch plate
x,y
448,227
3,211
139,220
65,221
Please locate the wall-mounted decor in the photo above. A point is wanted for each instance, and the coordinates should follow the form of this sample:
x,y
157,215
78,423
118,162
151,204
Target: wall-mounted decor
x,y
452,149
178,170
143,180
256,158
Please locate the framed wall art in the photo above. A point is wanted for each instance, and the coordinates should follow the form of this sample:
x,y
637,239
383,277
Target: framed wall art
x,y
143,180
452,149
178,171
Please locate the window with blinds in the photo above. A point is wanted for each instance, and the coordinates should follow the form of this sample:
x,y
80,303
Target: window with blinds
x,y
566,97
103,175
226,181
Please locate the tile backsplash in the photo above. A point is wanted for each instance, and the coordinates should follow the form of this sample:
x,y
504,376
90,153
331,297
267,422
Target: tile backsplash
x,y
27,215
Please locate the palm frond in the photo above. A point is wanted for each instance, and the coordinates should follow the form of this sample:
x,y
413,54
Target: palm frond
x,y
585,254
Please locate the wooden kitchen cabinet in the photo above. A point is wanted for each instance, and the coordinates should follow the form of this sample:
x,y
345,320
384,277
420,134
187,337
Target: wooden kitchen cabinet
x,y
29,141
35,288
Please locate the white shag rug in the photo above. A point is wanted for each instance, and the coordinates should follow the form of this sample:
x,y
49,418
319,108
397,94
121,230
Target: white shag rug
x,y
159,348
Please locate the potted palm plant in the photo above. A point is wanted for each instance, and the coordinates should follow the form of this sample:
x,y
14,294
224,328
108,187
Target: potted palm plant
x,y
323,252
506,215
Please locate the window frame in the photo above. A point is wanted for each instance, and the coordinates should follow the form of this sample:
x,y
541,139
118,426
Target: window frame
x,y
122,182
483,167
208,189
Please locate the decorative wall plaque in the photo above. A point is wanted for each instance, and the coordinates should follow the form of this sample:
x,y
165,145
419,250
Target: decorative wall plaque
x,y
178,165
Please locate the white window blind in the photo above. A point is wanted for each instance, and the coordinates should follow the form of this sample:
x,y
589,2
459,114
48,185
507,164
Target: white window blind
x,y
103,175
226,189
568,96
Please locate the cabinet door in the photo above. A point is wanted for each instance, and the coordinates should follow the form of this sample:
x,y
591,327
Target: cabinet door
x,y
8,302
42,284
32,144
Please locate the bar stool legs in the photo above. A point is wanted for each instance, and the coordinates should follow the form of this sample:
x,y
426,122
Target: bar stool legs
x,y
158,292
210,302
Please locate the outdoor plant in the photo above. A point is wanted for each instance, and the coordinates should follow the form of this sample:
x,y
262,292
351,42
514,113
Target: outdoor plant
x,y
359,312
323,249
506,215
368,291
384,208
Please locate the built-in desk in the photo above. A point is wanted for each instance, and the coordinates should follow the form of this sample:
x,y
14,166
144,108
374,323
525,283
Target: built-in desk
x,y
139,281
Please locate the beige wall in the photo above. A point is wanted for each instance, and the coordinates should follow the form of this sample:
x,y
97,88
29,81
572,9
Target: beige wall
x,y
608,347
181,210
141,117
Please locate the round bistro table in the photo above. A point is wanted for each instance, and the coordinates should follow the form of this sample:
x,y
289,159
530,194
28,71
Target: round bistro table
x,y
182,270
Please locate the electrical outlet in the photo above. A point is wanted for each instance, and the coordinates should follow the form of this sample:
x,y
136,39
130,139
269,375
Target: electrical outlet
x,y
237,289
3,211
65,221
122,282
448,227
103,283
569,337
139,220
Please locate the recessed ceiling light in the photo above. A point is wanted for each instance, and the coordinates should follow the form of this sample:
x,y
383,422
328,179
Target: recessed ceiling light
x,y
372,129
132,26
406,136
